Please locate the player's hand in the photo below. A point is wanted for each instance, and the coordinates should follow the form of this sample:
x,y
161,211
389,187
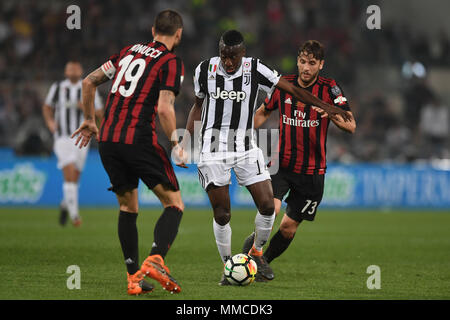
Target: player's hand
x,y
322,113
51,126
333,113
179,156
85,132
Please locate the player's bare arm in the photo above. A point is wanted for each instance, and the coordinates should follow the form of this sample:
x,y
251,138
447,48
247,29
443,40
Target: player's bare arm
x,y
166,113
308,98
89,128
261,116
99,116
348,126
194,115
47,113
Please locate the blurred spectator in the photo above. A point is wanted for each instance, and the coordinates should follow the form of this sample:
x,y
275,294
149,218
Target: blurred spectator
x,y
434,124
35,44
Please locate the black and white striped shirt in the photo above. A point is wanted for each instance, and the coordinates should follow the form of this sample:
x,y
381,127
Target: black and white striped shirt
x,y
229,103
65,96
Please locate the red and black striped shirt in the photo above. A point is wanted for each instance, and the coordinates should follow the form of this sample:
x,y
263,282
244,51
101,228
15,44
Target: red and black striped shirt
x,y
303,133
139,72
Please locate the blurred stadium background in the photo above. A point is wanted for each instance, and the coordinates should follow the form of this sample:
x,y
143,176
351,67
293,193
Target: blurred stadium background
x,y
397,80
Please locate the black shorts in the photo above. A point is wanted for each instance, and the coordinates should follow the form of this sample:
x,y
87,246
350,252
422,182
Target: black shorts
x,y
127,163
305,193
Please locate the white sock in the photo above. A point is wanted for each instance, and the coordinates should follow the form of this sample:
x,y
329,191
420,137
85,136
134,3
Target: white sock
x,y
263,228
70,190
223,239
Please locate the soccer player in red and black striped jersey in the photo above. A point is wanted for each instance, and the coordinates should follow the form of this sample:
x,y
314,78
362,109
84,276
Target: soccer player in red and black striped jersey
x,y
302,144
146,79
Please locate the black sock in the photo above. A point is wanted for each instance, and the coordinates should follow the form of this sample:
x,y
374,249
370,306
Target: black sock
x,y
128,236
166,230
278,244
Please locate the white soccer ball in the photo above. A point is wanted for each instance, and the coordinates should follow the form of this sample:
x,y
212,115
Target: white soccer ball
x,y
240,270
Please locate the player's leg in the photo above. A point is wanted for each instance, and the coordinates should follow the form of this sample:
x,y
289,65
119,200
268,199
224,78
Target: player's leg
x,y
303,200
127,228
248,242
124,184
215,175
282,238
153,166
219,198
128,237
277,203
252,173
263,196
70,190
66,153
166,227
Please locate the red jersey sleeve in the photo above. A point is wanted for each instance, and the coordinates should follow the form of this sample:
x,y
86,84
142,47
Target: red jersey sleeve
x,y
273,102
111,65
338,97
171,75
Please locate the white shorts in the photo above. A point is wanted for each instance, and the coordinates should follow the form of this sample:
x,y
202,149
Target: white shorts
x,y
67,152
249,168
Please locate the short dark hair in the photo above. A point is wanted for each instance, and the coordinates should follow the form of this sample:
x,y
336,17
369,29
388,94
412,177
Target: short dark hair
x,y
167,22
232,38
313,47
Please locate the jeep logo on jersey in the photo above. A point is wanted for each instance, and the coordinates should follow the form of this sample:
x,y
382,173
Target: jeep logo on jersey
x,y
232,95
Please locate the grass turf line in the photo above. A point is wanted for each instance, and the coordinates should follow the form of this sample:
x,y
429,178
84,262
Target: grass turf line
x,y
327,259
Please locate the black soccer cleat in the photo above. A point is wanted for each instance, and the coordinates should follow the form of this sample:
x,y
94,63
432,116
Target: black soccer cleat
x,y
224,281
248,243
264,269
146,286
63,214
260,278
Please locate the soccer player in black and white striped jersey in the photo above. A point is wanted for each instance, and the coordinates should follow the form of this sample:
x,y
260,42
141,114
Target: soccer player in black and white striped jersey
x,y
226,90
63,115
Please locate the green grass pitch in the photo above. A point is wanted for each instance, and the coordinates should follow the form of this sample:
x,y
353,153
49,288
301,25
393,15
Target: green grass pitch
x,y
328,259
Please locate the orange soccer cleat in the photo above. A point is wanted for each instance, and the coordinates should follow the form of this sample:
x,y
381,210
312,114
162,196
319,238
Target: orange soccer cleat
x,y
76,222
155,268
137,285
263,267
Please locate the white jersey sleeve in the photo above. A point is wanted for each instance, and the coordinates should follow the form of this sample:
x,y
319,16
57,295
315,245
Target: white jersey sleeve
x,y
267,77
109,69
198,89
51,96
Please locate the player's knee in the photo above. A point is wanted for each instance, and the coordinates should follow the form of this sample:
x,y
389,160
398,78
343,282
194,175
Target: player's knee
x,y
129,208
288,230
173,200
222,215
179,204
267,208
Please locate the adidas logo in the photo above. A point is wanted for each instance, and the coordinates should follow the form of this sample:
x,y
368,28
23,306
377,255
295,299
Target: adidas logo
x,y
154,245
288,100
211,77
129,261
